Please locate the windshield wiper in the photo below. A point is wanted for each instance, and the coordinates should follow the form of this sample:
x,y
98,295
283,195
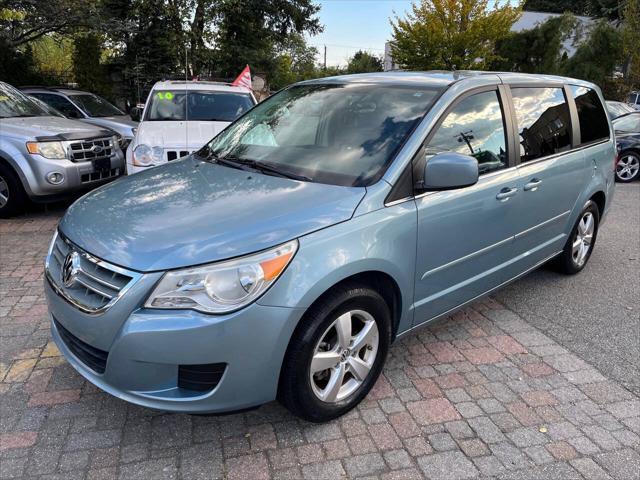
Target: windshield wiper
x,y
268,168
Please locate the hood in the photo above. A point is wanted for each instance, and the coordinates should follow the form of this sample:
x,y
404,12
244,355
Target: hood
x,y
121,124
32,127
190,212
178,135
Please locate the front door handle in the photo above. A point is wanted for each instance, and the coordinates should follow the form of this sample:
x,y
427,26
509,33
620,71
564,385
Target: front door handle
x,y
532,185
506,193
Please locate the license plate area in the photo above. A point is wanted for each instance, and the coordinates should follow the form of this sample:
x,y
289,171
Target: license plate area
x,y
101,164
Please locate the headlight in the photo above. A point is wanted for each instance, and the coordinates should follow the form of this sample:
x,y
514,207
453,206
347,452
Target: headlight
x,y
144,155
225,286
52,150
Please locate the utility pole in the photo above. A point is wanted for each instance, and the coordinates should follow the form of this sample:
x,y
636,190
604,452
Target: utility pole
x,y
325,57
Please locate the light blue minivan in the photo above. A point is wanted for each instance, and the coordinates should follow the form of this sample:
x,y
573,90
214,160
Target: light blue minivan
x,y
282,259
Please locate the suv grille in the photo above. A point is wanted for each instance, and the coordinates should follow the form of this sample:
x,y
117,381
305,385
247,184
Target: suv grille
x,y
86,150
175,154
88,283
92,357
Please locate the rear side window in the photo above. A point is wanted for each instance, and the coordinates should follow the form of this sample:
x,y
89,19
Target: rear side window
x,y
544,124
593,118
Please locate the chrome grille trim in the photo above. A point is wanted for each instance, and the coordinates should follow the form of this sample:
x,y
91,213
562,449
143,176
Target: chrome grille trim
x,y
81,150
104,290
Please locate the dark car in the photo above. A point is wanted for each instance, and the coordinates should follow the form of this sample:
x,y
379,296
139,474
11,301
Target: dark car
x,y
627,129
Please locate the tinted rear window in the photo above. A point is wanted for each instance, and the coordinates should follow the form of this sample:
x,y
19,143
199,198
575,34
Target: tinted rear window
x,y
544,124
593,119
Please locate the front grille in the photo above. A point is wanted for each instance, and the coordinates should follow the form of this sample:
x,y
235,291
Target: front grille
x,y
95,176
200,378
92,357
96,284
174,154
87,150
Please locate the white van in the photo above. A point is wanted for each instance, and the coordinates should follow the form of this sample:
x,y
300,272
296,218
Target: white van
x,y
179,117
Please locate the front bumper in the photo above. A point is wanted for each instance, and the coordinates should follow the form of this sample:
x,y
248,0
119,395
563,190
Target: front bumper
x,y
77,175
146,347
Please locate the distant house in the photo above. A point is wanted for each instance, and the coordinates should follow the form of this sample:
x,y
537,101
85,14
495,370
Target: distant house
x,y
527,21
530,20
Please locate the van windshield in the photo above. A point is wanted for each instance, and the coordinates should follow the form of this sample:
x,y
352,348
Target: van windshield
x,y
15,104
341,134
170,105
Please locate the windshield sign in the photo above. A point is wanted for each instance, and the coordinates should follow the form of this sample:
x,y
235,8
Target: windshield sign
x,y
342,134
15,104
201,105
96,106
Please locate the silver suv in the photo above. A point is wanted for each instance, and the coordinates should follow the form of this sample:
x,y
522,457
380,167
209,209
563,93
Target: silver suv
x,y
43,157
87,107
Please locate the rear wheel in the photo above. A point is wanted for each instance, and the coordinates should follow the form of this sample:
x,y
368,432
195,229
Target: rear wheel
x,y
628,167
337,354
12,195
579,246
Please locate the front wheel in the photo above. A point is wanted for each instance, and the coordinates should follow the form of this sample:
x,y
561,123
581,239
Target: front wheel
x,y
628,167
579,246
12,196
336,354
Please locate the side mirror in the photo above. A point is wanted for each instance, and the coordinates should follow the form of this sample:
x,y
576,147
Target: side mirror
x,y
135,113
446,171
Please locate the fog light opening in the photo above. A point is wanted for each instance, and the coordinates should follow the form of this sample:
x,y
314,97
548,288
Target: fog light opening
x,y
55,178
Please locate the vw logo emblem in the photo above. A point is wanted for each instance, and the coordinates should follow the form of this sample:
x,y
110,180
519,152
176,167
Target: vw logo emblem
x,y
70,269
96,149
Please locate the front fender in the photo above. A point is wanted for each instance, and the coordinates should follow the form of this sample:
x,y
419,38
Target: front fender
x,y
381,241
17,160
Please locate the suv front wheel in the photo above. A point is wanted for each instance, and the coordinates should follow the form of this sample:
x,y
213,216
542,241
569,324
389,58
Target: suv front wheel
x,y
336,354
12,195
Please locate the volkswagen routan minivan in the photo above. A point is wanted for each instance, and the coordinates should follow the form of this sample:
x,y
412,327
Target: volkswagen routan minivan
x,y
282,259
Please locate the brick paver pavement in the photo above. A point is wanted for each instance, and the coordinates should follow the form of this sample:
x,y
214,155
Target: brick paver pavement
x,y
480,395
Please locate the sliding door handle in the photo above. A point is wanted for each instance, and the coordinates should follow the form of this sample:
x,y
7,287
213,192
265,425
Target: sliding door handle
x,y
532,185
506,193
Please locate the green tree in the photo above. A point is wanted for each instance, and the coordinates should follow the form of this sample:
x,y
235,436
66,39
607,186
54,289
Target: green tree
x,y
89,73
363,62
538,50
577,7
451,34
296,60
597,57
251,32
631,41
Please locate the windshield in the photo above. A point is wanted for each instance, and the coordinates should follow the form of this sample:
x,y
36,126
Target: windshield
x,y
618,108
95,106
15,104
342,134
628,123
202,105
633,97
47,108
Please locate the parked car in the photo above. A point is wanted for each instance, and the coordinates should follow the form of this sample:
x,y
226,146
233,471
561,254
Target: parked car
x,y
43,156
282,259
616,109
180,117
627,130
87,107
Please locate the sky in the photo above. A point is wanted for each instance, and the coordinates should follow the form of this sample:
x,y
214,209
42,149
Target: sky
x,y
352,25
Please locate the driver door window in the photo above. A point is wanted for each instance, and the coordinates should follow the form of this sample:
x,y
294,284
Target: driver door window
x,y
475,127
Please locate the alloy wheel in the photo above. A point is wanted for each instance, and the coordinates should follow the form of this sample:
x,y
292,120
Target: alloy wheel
x,y
4,192
344,356
583,239
627,167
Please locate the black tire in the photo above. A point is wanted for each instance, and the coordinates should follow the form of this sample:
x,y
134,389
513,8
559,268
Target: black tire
x,y
12,189
295,390
565,262
634,159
